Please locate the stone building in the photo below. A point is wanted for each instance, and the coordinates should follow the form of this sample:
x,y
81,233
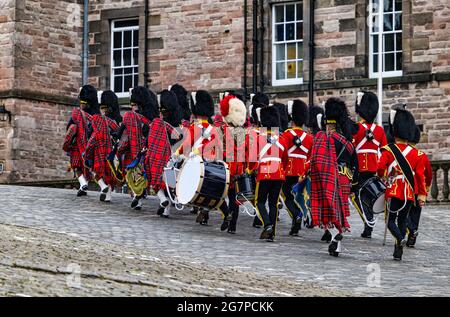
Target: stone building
x,y
213,45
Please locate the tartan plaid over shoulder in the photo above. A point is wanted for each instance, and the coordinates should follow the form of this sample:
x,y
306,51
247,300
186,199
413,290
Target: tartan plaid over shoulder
x,y
329,190
100,143
158,151
133,140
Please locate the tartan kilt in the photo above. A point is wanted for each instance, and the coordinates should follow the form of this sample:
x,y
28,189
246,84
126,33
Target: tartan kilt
x,y
345,189
76,161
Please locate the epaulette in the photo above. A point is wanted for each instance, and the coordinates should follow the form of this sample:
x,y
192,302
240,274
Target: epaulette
x,y
420,153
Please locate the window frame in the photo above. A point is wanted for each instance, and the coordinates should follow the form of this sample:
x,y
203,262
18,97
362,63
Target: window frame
x,y
287,81
372,15
125,94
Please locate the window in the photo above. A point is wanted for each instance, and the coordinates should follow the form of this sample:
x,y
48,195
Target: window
x,y
392,39
287,47
124,56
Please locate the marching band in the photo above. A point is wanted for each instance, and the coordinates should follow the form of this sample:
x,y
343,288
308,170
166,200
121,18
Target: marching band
x,y
313,161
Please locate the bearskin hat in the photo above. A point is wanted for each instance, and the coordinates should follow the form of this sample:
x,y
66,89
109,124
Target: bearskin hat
x,y
183,100
89,95
402,124
110,100
202,104
316,117
260,99
233,110
417,135
268,117
284,117
336,110
146,100
367,106
298,112
170,108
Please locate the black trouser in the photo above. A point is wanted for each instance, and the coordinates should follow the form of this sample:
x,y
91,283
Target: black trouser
x,y
233,206
362,178
398,230
224,209
270,190
289,199
414,217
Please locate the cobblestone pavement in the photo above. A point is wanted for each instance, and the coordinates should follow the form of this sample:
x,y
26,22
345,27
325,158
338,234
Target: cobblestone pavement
x,y
424,270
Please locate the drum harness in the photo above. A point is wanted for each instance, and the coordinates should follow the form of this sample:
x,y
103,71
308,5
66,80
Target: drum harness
x,y
298,140
368,138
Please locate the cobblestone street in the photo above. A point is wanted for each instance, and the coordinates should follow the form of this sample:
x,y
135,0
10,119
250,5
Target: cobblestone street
x,y
125,252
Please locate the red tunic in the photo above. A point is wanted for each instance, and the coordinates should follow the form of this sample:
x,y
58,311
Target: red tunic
x,y
428,172
387,167
270,164
296,158
368,151
202,137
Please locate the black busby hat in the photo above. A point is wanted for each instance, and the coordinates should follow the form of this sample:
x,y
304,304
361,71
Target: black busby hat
x,y
170,108
336,113
316,117
367,106
146,100
417,134
89,95
202,103
110,100
298,111
268,117
402,124
260,99
284,117
183,100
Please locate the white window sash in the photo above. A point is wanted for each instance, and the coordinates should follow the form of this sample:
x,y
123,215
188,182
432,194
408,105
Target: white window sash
x,y
386,74
285,61
115,29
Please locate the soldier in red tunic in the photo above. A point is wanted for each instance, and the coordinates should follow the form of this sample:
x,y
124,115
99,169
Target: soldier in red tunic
x,y
258,100
202,138
403,168
100,144
270,171
234,114
368,140
298,145
78,132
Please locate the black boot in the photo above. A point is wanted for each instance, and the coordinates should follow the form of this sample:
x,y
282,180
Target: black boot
x,y
398,252
81,192
160,211
232,227
203,217
256,222
225,223
367,233
333,247
412,237
296,226
326,237
267,233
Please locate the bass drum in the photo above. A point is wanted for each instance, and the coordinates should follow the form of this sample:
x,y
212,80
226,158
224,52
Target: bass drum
x,y
372,195
171,172
202,184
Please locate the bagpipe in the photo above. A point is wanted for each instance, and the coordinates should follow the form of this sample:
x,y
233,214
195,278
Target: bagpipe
x,y
135,176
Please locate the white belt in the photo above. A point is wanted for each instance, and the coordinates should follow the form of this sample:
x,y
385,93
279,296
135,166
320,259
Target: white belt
x,y
367,151
301,156
405,152
270,159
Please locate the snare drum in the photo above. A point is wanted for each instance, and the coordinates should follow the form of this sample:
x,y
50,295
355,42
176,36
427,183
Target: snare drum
x,y
202,184
371,195
245,187
171,172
